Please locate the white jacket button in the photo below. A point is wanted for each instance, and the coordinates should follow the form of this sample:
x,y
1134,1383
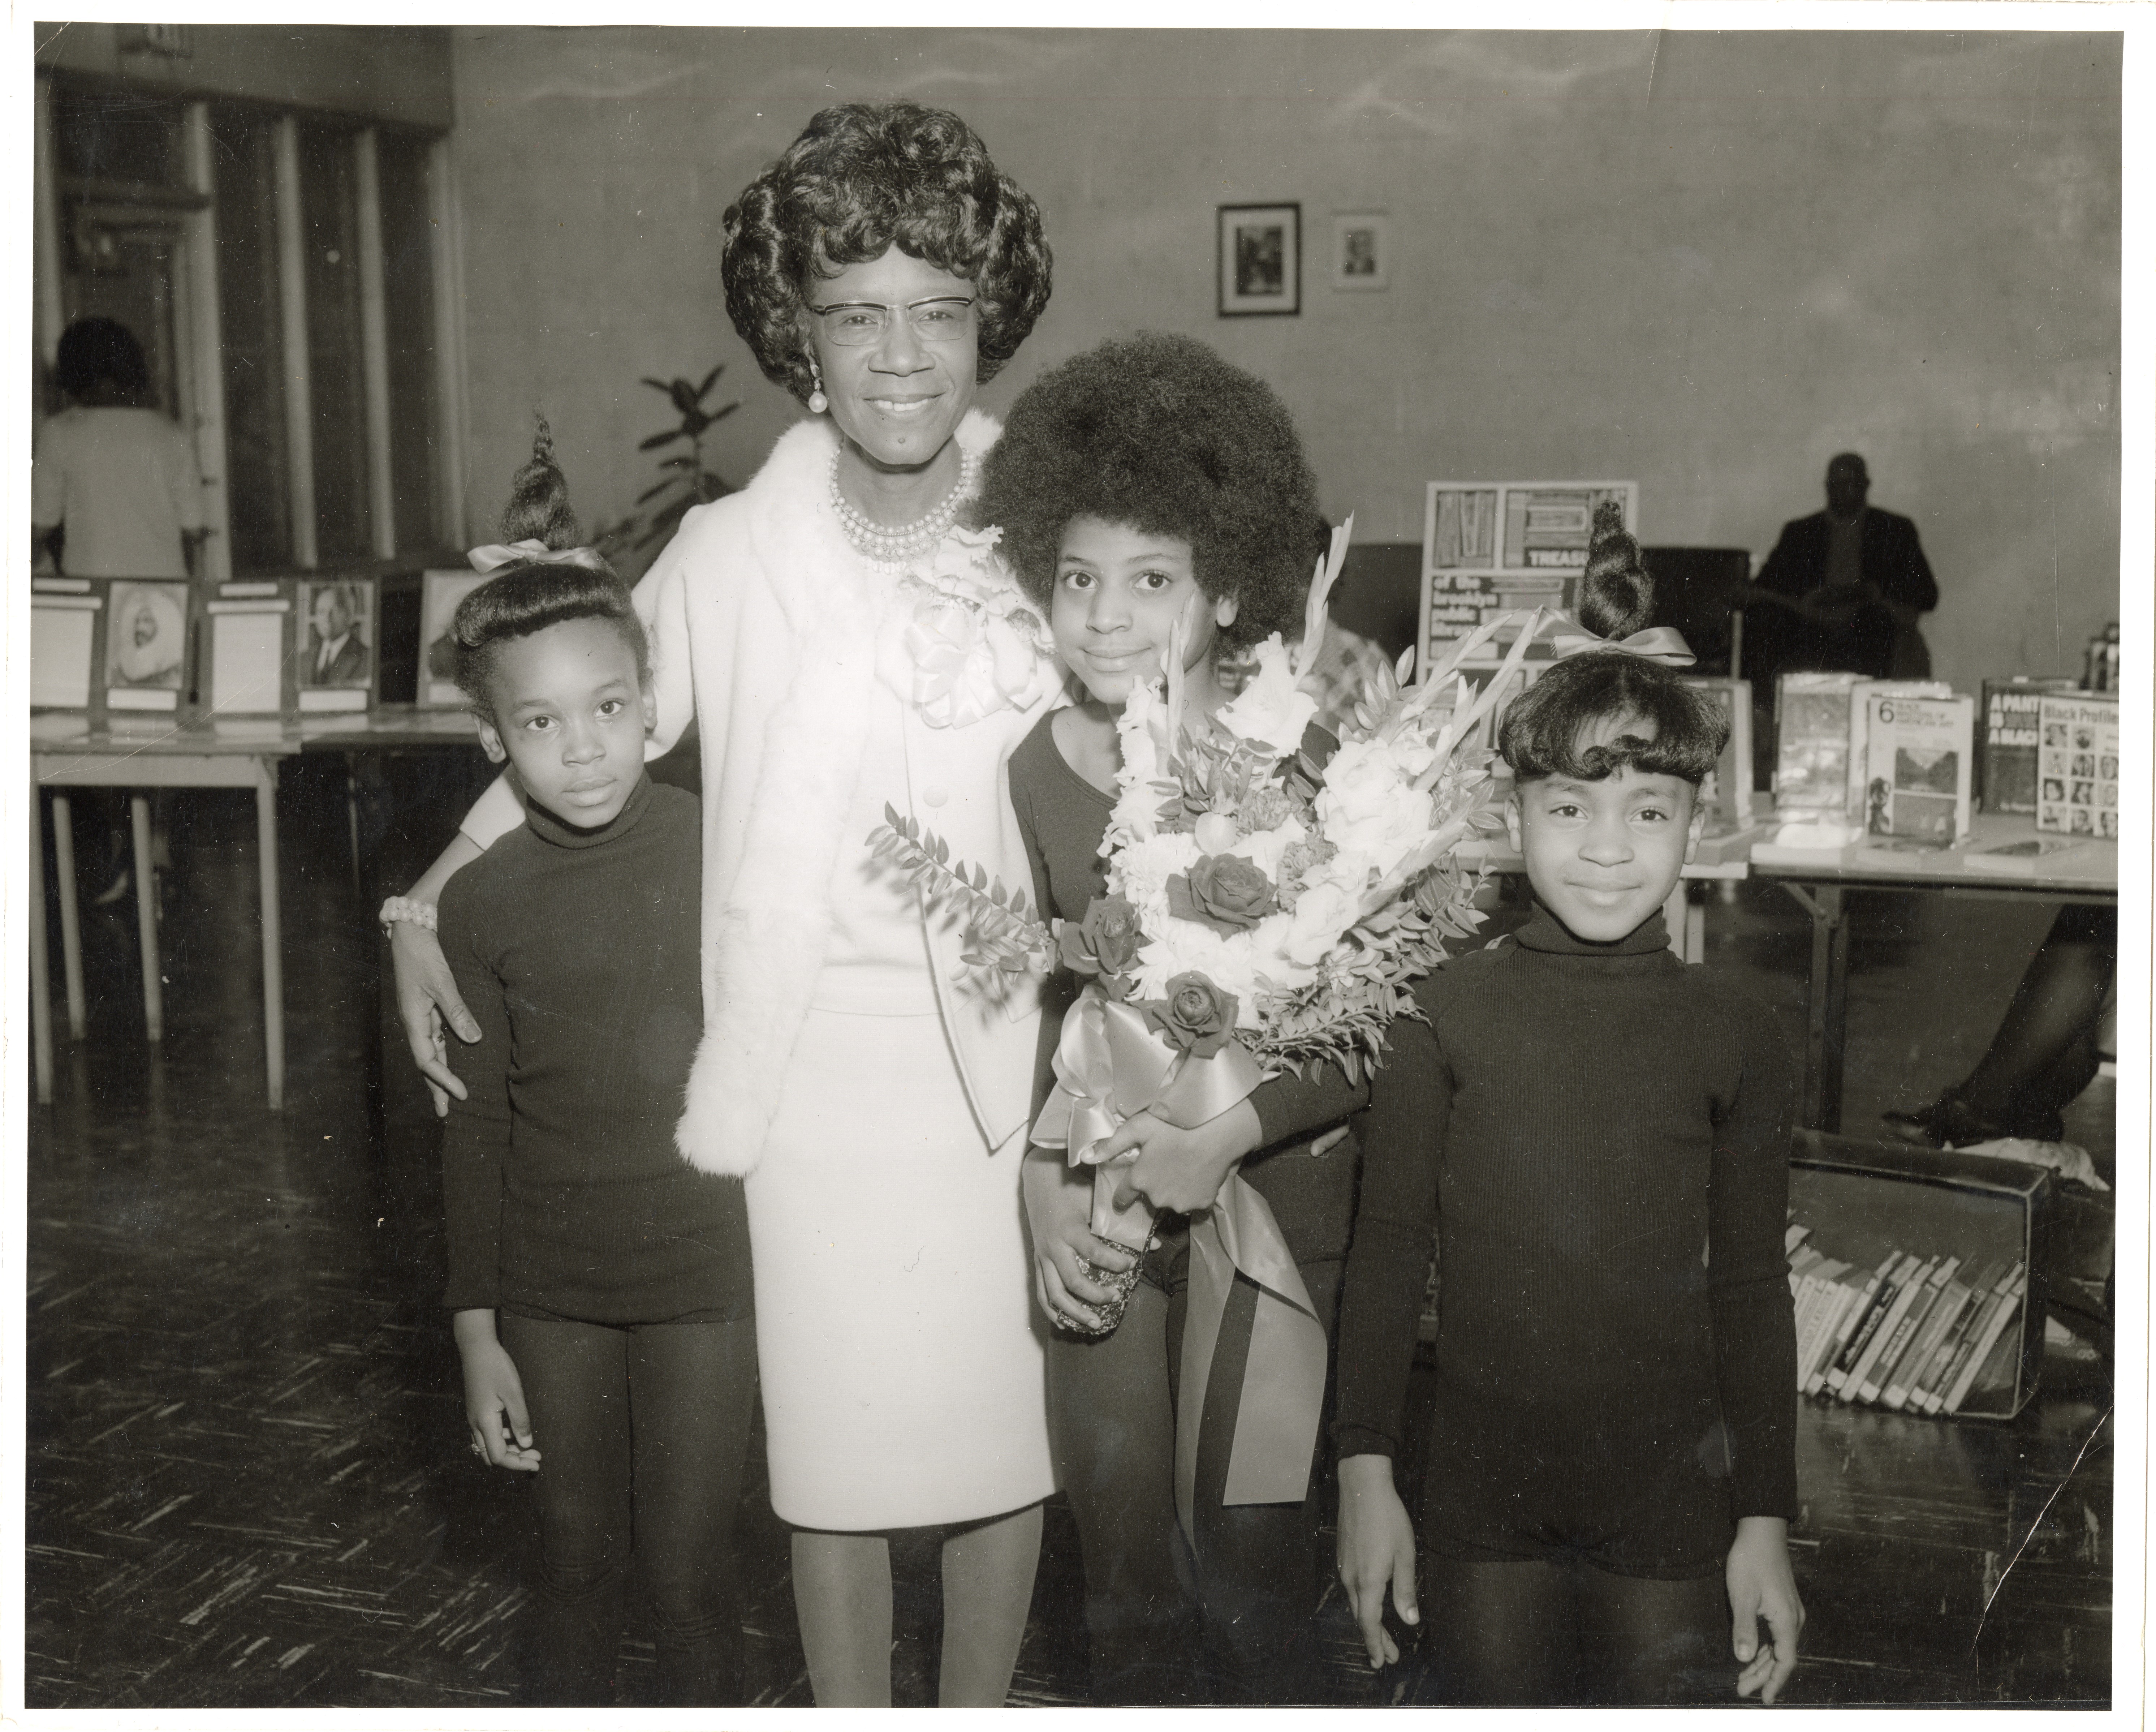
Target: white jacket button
x,y
934,795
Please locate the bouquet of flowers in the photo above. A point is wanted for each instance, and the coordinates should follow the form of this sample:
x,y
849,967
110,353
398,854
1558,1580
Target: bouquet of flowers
x,y
1265,912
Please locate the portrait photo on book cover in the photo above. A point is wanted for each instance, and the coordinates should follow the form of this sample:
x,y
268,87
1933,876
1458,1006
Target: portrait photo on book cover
x,y
145,644
339,620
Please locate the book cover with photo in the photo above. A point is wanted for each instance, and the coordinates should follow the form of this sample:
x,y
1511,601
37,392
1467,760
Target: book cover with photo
x,y
1916,767
2077,764
2008,728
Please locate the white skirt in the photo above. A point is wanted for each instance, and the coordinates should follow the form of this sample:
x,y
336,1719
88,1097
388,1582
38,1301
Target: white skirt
x,y
901,1361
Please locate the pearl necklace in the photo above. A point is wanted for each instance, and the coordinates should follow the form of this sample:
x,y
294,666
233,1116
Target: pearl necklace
x,y
889,549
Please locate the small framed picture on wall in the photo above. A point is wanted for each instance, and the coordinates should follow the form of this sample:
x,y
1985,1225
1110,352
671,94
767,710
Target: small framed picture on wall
x,y
1261,259
1362,249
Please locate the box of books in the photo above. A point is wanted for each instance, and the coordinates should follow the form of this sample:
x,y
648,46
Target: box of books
x,y
2007,735
1918,1281
1917,767
2077,764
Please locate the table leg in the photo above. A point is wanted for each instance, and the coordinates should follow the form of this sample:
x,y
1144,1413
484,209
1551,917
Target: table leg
x,y
41,967
273,947
70,916
146,920
1826,1020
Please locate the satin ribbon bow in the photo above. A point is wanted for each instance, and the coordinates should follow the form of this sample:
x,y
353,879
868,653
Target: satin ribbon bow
x,y
494,556
1109,1066
1657,643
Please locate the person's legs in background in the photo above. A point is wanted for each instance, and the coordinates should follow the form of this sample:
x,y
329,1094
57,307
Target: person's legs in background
x,y
2043,1053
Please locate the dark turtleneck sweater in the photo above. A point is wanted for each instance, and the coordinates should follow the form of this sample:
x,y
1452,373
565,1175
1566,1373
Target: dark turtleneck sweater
x,y
1602,1133
576,951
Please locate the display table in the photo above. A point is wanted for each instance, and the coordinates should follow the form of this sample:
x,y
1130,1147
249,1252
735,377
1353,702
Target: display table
x,y
140,757
2085,872
230,753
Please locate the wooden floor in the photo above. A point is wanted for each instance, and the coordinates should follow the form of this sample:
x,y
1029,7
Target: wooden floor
x,y
247,1481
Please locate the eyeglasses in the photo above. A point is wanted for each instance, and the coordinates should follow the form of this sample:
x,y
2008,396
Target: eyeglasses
x,y
863,324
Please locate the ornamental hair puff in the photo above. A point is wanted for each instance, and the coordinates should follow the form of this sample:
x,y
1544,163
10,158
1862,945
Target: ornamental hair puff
x,y
862,178
1616,591
1670,727
521,599
1158,432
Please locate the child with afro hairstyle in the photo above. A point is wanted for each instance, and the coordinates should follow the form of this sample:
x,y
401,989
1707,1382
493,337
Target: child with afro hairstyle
x,y
599,1286
1145,482
1601,1135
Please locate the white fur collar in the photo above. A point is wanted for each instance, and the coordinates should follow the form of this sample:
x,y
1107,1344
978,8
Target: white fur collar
x,y
765,945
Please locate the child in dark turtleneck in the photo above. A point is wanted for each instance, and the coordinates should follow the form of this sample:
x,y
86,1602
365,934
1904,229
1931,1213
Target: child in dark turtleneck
x,y
600,1286
1601,1133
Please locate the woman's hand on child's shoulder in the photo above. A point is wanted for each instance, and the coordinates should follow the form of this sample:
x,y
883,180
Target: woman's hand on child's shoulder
x,y
1377,1545
1763,1585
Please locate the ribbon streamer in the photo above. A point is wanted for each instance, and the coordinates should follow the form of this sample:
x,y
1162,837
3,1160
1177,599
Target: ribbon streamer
x,y
1109,1066
1283,1391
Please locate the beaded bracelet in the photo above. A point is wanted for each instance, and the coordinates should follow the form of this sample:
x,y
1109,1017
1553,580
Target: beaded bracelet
x,y
402,907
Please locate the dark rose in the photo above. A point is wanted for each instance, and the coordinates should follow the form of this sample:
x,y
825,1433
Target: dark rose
x,y
1225,891
1106,942
1195,1017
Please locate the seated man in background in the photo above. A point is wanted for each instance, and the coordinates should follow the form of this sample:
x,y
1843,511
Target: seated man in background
x,y
1842,591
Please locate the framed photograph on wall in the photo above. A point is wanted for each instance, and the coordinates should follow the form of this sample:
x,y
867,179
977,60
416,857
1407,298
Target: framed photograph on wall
x,y
1261,259
1362,249
440,593
336,633
146,646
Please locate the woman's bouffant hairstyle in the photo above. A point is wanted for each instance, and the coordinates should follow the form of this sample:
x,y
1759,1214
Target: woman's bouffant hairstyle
x,y
91,350
1157,431
861,178
520,599
1683,731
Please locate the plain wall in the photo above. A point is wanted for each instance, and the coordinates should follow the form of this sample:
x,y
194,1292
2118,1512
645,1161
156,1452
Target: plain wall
x,y
1704,262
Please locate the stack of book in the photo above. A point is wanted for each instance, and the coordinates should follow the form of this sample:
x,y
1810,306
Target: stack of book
x,y
1916,1333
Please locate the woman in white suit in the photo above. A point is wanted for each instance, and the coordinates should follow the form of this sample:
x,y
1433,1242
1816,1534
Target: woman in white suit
x,y
844,643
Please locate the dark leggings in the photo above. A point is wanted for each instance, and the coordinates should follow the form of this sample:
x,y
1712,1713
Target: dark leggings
x,y
641,1433
1248,1601
1567,1633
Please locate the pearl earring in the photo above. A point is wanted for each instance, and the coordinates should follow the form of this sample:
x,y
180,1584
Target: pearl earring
x,y
817,402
